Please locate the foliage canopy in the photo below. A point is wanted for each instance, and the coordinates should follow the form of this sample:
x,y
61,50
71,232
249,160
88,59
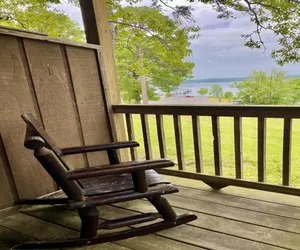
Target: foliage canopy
x,y
280,17
151,45
272,88
203,91
216,91
39,16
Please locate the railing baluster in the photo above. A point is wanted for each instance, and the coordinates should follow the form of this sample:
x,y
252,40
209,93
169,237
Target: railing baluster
x,y
179,145
238,147
147,142
130,132
197,144
286,155
216,144
261,149
161,136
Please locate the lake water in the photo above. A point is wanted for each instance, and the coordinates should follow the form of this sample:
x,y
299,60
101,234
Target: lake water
x,y
195,86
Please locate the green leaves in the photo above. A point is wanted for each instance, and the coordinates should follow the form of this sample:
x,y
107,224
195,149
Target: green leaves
x,y
216,91
281,17
39,16
203,91
228,95
150,44
273,88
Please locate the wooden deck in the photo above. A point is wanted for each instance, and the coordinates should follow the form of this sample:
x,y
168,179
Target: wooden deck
x,y
234,218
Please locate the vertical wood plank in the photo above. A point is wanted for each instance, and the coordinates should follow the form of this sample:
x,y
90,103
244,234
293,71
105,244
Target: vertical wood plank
x,y
197,144
146,136
261,149
30,178
217,145
238,147
116,121
131,137
286,154
178,140
161,136
89,100
7,186
54,90
97,30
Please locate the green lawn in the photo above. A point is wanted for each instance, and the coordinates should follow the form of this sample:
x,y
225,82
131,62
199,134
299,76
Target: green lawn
x,y
273,144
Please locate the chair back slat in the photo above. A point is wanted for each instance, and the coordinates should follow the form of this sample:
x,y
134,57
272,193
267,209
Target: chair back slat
x,y
37,126
49,155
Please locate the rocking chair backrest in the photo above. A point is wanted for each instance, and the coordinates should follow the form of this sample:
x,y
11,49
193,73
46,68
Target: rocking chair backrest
x,y
37,127
49,155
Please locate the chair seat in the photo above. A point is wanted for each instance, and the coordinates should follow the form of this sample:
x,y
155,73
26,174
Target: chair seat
x,y
117,183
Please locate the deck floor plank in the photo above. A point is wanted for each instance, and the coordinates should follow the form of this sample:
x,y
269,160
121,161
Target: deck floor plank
x,y
241,202
224,221
237,191
228,227
9,238
239,214
70,219
202,237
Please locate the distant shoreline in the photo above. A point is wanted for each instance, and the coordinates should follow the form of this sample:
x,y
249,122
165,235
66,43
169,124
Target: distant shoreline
x,y
227,79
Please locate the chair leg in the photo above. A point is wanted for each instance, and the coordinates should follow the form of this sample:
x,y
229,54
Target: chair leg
x,y
163,207
89,222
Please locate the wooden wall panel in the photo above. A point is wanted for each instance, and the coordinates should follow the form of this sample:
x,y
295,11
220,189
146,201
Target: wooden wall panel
x,y
89,99
7,198
60,84
51,79
15,98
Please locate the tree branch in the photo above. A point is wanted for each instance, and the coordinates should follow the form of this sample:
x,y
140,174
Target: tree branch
x,y
142,28
259,26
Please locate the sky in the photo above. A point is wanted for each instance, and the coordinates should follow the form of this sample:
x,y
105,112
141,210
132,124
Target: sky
x,y
219,51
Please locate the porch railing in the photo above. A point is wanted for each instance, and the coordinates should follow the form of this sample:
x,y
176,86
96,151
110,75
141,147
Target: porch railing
x,y
215,111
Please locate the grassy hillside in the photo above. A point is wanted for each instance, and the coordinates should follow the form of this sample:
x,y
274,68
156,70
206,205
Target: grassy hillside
x,y
274,146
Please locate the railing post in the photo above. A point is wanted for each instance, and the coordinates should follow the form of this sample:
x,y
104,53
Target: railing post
x,y
216,144
161,136
286,154
197,144
146,135
130,132
238,145
178,139
261,149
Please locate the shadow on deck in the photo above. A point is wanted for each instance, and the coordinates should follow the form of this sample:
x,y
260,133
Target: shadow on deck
x,y
234,218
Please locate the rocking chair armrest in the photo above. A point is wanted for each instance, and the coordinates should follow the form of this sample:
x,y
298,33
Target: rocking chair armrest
x,y
126,167
101,147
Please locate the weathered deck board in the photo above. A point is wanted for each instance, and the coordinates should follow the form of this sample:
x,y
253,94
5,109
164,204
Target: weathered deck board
x,y
200,236
70,219
239,214
224,222
9,238
36,228
238,191
228,227
241,202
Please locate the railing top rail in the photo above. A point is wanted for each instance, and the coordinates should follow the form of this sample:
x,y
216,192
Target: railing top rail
x,y
211,110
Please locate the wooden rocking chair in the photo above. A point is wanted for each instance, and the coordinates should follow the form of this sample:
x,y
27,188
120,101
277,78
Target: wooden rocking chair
x,y
90,187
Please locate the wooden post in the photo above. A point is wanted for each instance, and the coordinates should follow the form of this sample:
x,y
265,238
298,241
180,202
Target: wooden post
x,y
97,30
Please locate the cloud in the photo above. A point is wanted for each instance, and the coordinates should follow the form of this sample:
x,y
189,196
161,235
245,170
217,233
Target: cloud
x,y
220,50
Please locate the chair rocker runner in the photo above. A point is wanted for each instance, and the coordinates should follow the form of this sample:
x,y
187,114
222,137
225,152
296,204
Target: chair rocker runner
x,y
87,188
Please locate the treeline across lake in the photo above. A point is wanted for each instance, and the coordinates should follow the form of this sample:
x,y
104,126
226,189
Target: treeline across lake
x,y
260,88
